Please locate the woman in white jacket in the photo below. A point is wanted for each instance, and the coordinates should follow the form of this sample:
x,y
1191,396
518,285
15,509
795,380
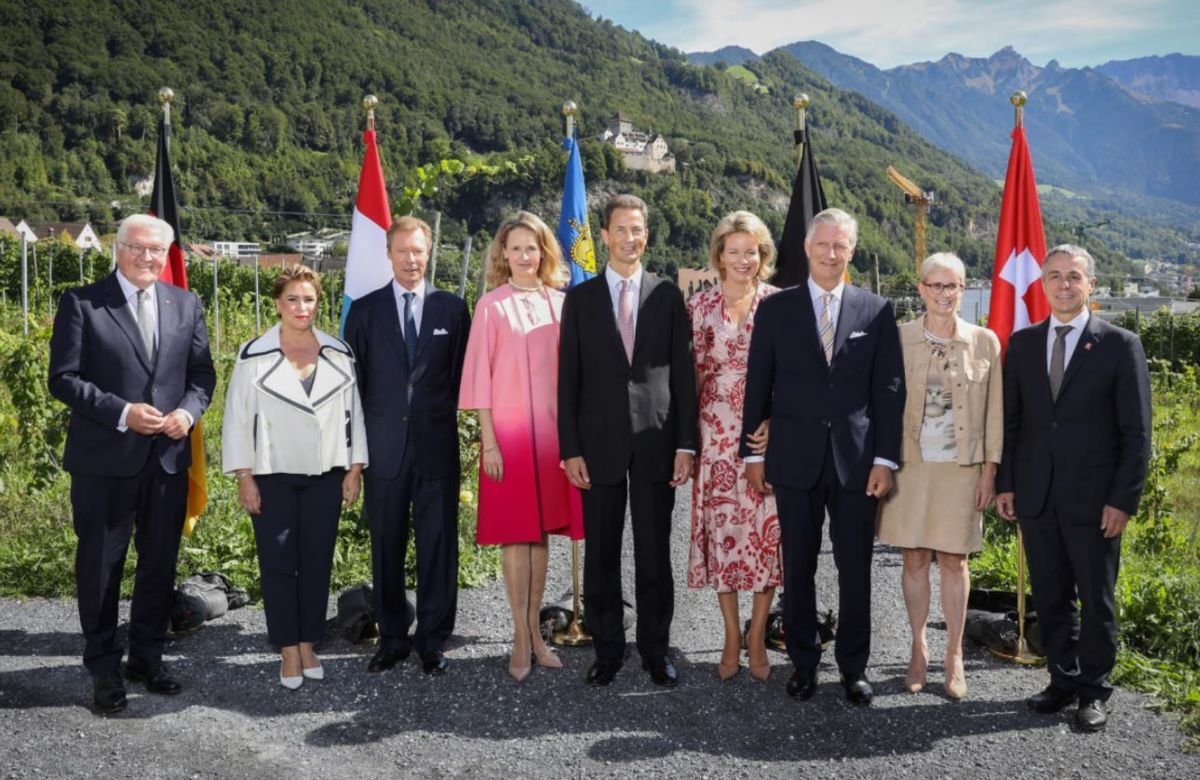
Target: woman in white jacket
x,y
294,438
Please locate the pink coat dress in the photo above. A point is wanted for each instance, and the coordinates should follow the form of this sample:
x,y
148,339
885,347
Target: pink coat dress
x,y
735,531
512,369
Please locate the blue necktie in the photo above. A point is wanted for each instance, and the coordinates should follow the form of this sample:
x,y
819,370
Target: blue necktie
x,y
410,330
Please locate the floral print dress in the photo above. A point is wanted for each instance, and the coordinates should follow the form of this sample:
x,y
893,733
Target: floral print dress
x,y
735,531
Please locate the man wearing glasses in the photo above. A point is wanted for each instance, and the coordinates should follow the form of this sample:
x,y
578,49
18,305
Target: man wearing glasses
x,y
130,357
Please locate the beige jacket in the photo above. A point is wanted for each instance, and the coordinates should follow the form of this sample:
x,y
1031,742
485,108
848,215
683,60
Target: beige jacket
x,y
976,384
273,427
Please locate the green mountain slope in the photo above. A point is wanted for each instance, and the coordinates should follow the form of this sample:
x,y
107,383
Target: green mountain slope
x,y
268,119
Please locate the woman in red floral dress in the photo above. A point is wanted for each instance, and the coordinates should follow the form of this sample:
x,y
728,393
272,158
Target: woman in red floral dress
x,y
735,531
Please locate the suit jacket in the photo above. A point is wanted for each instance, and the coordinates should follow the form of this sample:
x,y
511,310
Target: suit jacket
x,y
98,364
616,414
856,402
976,384
1094,441
409,406
272,426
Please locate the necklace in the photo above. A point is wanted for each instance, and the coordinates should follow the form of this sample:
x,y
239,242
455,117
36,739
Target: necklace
x,y
536,288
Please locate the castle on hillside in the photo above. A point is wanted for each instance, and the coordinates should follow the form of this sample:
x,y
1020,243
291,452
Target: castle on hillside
x,y
642,151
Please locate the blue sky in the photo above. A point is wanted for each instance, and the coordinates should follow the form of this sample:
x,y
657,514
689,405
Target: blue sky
x,y
896,32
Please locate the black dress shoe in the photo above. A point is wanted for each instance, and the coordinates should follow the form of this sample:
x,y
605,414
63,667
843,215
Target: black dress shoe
x,y
1052,699
603,671
1091,716
858,689
433,662
108,693
385,658
803,683
153,674
662,671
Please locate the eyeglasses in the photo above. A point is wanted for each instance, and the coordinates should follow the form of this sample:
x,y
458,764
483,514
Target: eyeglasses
x,y
940,288
156,252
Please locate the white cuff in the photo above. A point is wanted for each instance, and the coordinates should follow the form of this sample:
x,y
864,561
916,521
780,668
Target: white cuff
x,y
753,459
886,462
121,426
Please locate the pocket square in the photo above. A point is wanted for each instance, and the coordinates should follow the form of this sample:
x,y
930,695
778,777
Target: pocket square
x,y
858,334
441,332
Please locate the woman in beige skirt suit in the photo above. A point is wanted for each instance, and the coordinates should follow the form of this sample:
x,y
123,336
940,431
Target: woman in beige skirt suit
x,y
952,440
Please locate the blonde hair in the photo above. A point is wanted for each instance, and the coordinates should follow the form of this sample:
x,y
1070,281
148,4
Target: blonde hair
x,y
408,224
942,261
295,273
551,269
742,222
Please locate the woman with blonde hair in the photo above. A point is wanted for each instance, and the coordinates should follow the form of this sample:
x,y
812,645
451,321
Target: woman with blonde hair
x,y
951,446
511,377
735,530
294,438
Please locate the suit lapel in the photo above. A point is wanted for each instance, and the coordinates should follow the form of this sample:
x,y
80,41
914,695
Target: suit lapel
x,y
1039,360
430,318
391,324
119,309
808,322
847,318
1083,350
170,315
639,333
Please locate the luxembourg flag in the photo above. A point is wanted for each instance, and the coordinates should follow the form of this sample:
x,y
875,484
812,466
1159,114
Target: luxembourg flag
x,y
367,264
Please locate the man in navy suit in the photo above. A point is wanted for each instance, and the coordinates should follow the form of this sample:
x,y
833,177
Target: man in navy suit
x,y
409,341
1076,450
825,367
129,355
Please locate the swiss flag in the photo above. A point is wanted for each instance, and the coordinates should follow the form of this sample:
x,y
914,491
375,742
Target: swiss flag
x,y
1017,296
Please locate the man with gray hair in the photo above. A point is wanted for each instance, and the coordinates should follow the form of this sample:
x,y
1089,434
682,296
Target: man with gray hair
x,y
1076,450
129,355
825,366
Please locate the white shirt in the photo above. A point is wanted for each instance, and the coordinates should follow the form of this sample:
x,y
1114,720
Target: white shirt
x,y
418,302
1072,339
817,294
614,280
130,291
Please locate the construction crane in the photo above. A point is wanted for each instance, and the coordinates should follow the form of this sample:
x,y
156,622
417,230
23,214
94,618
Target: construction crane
x,y
921,202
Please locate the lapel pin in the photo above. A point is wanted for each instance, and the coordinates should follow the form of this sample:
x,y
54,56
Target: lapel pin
x,y
1088,345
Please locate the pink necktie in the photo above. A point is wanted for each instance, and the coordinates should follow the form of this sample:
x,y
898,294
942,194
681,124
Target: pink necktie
x,y
625,317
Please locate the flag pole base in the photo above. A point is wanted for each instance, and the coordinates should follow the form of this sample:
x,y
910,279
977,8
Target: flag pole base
x,y
1018,654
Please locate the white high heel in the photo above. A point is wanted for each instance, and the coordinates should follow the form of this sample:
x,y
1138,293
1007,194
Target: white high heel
x,y
291,683
315,673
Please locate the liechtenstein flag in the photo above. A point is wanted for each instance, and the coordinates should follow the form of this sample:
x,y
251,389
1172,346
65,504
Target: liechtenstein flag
x,y
573,232
367,264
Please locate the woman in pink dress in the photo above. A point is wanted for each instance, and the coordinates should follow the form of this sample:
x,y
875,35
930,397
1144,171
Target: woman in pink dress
x,y
735,531
511,377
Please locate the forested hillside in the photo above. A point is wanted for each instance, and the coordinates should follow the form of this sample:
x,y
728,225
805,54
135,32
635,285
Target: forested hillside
x,y
268,122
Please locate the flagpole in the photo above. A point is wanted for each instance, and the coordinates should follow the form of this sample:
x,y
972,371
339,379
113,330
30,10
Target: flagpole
x,y
801,102
1021,652
575,634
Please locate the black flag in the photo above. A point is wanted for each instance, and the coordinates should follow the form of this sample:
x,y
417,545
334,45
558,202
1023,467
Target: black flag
x,y
808,198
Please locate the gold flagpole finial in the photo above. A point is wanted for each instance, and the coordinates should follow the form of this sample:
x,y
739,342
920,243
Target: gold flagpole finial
x,y
801,102
165,96
369,102
1019,99
570,111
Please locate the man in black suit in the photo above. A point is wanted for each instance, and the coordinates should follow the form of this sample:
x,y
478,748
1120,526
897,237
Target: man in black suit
x,y
1076,450
129,355
627,430
409,341
825,366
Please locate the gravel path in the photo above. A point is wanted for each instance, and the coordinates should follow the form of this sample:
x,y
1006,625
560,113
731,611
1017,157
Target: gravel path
x,y
233,719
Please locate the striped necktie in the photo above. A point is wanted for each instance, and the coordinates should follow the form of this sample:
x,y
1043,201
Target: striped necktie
x,y
827,326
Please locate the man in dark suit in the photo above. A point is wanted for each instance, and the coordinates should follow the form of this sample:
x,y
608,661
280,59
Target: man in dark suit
x,y
409,341
825,366
1076,450
627,431
129,355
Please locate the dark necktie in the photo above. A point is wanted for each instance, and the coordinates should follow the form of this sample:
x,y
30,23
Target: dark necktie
x,y
1058,359
410,330
146,323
